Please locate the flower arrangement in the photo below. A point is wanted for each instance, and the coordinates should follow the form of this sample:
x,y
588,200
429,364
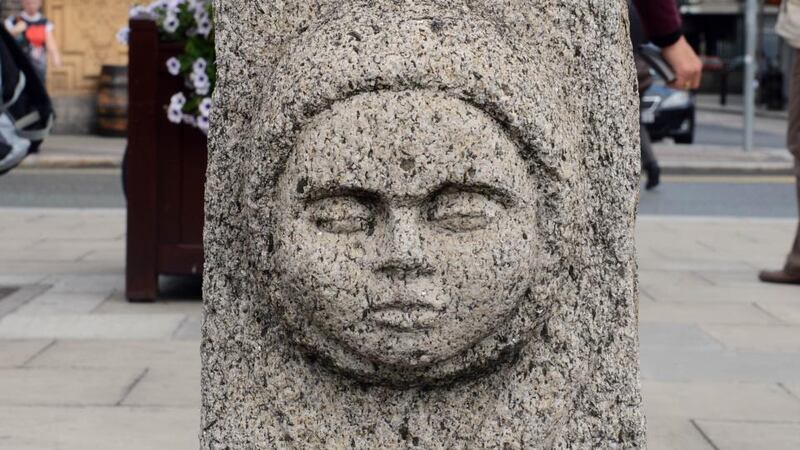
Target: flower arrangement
x,y
189,21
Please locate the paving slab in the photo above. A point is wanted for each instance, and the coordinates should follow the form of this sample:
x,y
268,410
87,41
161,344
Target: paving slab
x,y
669,433
88,268
734,294
706,313
694,264
106,428
793,388
15,298
688,365
764,338
14,353
683,278
679,249
62,386
120,354
166,388
21,279
676,336
105,255
786,312
33,252
13,248
747,278
68,231
191,329
118,304
87,283
62,303
722,401
738,435
90,326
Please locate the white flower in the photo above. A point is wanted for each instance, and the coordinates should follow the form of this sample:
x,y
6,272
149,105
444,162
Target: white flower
x,y
137,10
171,22
175,115
203,89
173,5
197,5
200,78
205,107
174,66
123,35
200,15
200,65
204,27
189,119
178,100
202,84
203,123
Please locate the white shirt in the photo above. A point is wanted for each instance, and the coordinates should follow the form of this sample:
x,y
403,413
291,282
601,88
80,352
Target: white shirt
x,y
12,20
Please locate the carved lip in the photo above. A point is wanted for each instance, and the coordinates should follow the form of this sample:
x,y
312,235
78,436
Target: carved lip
x,y
405,316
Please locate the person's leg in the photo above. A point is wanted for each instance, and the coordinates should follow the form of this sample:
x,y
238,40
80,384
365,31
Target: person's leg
x,y
649,162
791,270
793,260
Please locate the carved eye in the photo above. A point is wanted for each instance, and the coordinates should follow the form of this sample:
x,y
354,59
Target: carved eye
x,y
462,210
342,215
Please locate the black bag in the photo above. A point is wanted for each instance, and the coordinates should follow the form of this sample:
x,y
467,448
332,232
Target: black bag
x,y
26,112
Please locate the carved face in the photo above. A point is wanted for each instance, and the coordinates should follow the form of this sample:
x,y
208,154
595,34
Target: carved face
x,y
404,231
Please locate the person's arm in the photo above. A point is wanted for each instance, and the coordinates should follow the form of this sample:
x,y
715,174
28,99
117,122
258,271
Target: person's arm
x,y
15,27
662,20
52,46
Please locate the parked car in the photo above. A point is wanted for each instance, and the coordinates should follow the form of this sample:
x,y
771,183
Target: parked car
x,y
668,113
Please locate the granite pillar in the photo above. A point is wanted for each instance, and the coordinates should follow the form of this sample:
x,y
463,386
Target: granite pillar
x,y
419,226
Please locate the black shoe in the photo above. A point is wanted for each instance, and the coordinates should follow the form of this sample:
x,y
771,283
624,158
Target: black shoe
x,y
779,276
653,176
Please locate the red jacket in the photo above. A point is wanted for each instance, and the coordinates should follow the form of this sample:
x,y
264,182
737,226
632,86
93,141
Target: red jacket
x,y
661,20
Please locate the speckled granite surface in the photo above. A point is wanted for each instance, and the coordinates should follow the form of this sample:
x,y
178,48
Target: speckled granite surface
x,y
419,227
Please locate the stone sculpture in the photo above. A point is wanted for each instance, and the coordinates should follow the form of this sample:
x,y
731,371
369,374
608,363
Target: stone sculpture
x,y
419,227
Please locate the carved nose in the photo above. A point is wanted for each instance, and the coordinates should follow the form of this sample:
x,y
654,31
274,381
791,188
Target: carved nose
x,y
403,256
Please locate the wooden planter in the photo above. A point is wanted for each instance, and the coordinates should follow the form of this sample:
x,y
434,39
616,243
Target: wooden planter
x,y
166,166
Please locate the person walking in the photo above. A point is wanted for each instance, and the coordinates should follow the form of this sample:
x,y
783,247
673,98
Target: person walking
x,y
662,24
788,27
34,33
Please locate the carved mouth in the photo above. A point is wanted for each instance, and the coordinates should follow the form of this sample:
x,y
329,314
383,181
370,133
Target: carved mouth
x,y
405,317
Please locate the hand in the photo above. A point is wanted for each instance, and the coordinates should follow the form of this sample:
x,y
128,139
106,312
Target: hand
x,y
57,60
19,28
686,64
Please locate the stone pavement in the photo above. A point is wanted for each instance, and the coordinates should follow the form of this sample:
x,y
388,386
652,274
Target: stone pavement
x,y
80,368
706,159
78,151
734,105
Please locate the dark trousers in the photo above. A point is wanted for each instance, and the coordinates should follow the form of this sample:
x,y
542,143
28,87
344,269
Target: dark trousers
x,y
648,157
793,142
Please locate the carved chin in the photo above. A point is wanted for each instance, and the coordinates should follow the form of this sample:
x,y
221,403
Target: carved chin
x,y
487,354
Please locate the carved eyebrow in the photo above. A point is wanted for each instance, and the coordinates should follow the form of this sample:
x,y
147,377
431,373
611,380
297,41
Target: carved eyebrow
x,y
312,192
496,193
